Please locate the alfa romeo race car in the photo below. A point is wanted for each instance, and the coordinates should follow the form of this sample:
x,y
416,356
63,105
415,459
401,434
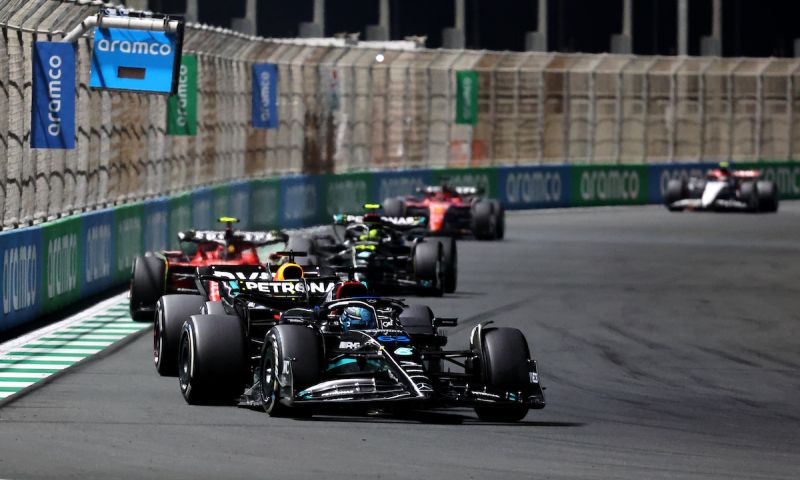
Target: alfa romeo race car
x,y
159,273
723,189
452,210
351,351
390,254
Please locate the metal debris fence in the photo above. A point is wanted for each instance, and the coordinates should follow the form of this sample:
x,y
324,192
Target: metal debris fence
x,y
342,110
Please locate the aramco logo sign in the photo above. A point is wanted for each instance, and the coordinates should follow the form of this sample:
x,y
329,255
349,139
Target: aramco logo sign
x,y
134,60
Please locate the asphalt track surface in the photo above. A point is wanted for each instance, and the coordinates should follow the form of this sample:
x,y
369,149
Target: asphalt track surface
x,y
668,344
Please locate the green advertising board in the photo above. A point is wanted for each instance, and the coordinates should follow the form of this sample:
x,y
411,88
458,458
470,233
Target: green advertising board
x,y
220,202
182,107
128,221
62,267
346,193
265,204
180,216
593,185
467,97
485,178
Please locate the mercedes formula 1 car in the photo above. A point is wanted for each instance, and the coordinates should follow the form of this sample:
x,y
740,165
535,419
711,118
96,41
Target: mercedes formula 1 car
x,y
271,348
723,189
452,210
159,273
390,254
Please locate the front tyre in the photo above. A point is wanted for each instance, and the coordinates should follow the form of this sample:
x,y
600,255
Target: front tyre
x,y
291,353
429,267
676,191
504,367
212,364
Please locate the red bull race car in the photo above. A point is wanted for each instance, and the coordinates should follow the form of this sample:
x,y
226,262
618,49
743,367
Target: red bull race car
x,y
723,189
173,271
452,210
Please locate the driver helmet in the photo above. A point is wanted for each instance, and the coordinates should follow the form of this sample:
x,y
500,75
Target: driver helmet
x,y
357,317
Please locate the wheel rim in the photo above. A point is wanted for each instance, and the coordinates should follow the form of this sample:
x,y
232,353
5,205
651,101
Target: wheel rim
x,y
157,331
268,364
185,362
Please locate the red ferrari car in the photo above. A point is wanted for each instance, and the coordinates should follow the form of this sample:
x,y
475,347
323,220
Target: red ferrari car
x,y
173,271
452,210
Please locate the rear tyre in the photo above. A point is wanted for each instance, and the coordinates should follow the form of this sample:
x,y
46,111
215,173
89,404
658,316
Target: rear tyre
x,y
484,221
148,283
500,213
212,364
394,207
429,267
767,196
676,191
299,345
171,312
504,367
450,261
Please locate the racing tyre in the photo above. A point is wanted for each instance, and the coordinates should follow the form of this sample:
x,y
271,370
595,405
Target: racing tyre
x,y
429,266
450,259
171,312
148,283
767,196
484,221
295,345
504,367
748,195
212,364
394,207
500,214
676,190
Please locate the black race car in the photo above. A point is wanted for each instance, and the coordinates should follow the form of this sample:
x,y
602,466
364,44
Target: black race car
x,y
351,351
390,254
206,297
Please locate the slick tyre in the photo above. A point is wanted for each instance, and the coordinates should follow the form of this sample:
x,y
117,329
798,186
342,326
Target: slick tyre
x,y
504,367
749,195
500,215
394,207
429,266
171,312
148,283
676,191
301,347
450,260
212,364
484,221
767,196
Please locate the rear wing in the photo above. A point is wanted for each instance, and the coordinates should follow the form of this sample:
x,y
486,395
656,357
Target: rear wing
x,y
459,189
218,236
401,223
